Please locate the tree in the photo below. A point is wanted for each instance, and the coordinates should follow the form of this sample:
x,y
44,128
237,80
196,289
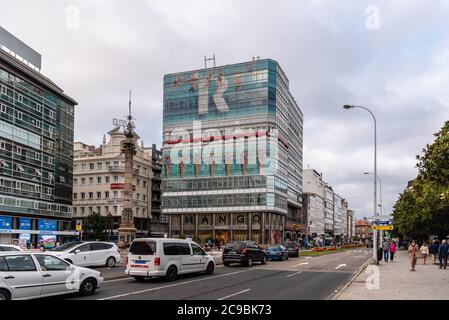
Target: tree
x,y
423,208
96,225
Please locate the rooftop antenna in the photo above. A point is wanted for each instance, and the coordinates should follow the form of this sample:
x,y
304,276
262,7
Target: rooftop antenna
x,y
209,59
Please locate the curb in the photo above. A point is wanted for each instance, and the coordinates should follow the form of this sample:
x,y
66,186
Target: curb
x,y
340,290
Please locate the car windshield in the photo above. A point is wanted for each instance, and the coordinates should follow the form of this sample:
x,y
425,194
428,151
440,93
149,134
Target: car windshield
x,y
235,246
66,246
274,248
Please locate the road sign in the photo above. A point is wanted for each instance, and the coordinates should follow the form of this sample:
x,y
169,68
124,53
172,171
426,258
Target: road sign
x,y
382,223
382,217
78,225
388,227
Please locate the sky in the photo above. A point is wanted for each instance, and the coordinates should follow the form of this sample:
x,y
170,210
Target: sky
x,y
390,56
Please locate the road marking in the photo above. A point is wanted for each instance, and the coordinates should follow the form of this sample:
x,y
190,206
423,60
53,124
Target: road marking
x,y
293,274
234,294
340,265
300,264
172,285
308,257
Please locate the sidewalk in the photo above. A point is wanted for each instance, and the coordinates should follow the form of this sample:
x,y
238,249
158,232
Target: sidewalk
x,y
397,282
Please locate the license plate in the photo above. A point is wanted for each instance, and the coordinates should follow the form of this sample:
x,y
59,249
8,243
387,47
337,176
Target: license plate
x,y
141,261
232,252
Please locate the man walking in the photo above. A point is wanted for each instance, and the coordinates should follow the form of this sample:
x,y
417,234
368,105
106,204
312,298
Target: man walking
x,y
442,254
386,249
413,253
433,250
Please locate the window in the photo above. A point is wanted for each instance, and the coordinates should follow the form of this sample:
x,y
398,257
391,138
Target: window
x,y
83,196
51,263
197,250
99,195
115,209
75,181
52,114
75,167
83,167
20,263
3,145
91,166
3,265
100,246
19,98
98,180
106,194
115,194
91,180
138,182
144,247
106,179
83,180
38,107
4,90
99,166
82,210
4,108
75,196
91,195
18,114
115,178
173,249
83,248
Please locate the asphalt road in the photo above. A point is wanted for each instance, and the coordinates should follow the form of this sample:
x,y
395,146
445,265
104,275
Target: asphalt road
x,y
307,278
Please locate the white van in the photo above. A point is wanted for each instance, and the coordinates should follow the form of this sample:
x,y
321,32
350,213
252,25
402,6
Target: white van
x,y
164,257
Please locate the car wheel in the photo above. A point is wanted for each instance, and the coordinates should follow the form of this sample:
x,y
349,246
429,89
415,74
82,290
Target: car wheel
x,y
249,263
226,264
264,260
210,268
139,278
88,287
110,262
4,295
172,273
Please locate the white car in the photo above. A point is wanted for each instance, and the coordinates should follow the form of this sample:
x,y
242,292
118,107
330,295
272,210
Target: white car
x,y
9,247
89,254
163,257
26,275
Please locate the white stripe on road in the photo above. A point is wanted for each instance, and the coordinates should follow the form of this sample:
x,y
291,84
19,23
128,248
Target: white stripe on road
x,y
293,274
340,265
172,285
113,280
300,264
234,294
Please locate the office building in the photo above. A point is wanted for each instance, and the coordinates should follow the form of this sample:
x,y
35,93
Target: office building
x,y
232,153
36,149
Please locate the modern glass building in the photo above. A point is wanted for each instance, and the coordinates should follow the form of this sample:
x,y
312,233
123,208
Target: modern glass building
x,y
36,151
232,153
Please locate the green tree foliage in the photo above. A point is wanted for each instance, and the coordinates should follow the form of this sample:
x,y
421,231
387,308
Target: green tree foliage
x,y
96,225
423,208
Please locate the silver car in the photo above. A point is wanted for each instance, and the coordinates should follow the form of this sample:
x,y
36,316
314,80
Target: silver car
x,y
26,275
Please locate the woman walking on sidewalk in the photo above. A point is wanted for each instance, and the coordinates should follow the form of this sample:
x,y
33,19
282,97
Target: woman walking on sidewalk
x,y
413,253
424,251
392,249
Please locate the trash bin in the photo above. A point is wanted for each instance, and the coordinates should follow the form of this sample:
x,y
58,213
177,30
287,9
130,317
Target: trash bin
x,y
379,254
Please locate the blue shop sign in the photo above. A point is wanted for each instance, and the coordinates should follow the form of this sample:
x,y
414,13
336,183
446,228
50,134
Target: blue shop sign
x,y
25,224
47,225
5,223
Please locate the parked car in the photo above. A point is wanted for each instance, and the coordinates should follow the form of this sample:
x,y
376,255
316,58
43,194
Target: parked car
x,y
27,275
9,247
164,257
277,253
243,252
292,248
89,254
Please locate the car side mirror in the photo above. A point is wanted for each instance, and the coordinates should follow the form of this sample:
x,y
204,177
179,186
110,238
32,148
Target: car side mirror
x,y
77,251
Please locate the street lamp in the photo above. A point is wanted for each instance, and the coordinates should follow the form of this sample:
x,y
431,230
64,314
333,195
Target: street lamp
x,y
380,193
375,244
110,222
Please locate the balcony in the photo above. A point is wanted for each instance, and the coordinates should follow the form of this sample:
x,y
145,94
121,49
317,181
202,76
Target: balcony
x,y
116,168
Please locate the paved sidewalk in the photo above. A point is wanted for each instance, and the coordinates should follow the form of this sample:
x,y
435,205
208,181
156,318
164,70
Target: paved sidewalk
x,y
397,282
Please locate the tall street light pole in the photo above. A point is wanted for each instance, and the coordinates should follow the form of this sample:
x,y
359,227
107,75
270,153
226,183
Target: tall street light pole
x,y
381,204
375,244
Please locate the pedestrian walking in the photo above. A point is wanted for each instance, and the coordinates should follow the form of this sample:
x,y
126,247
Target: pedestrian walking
x,y
433,251
442,254
413,253
386,249
392,249
424,251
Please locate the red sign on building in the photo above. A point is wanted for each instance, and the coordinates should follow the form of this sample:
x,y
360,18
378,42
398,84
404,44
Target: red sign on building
x,y
120,186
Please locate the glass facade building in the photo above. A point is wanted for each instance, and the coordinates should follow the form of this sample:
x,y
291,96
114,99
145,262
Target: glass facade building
x,y
36,154
232,152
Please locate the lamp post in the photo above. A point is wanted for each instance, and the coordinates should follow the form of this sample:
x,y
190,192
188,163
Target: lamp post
x,y
380,203
110,222
375,244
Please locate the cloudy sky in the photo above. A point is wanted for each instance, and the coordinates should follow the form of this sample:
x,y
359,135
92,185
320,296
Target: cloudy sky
x,y
391,56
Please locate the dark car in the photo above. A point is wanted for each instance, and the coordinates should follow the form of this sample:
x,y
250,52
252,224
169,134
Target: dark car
x,y
292,248
243,252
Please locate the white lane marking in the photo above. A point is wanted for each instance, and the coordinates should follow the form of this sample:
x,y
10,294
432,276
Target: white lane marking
x,y
293,274
308,257
121,279
340,265
172,285
300,264
234,294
